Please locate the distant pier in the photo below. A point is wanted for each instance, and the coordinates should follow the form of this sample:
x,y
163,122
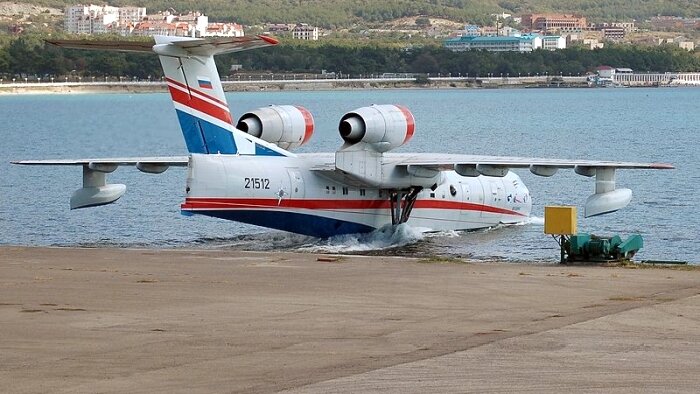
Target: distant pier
x,y
657,79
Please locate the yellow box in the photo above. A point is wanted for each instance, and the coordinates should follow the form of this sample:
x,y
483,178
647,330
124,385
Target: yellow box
x,y
560,220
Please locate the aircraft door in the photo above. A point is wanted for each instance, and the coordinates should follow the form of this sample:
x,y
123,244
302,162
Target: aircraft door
x,y
465,214
297,189
494,196
472,194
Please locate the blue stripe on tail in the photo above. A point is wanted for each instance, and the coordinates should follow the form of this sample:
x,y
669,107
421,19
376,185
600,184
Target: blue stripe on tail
x,y
205,137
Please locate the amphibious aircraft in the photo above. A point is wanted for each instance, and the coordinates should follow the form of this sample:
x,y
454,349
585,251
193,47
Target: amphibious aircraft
x,y
246,171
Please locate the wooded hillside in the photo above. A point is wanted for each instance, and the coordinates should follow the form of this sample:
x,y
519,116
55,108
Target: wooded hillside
x,y
346,13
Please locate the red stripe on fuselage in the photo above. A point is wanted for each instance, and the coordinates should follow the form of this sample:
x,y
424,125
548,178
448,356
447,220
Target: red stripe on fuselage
x,y
197,103
247,203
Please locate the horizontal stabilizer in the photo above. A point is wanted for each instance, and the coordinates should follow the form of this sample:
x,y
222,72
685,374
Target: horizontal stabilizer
x,y
194,46
121,46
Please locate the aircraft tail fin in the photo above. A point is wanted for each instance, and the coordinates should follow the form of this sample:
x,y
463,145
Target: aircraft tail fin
x,y
196,90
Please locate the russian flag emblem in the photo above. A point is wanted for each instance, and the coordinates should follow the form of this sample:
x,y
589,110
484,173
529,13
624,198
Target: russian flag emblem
x,y
204,82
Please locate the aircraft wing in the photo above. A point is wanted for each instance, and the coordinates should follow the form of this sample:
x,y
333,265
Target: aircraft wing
x,y
175,161
449,161
406,170
95,190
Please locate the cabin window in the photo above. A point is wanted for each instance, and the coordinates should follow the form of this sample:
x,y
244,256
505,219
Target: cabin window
x,y
453,191
345,191
362,192
432,195
328,190
333,189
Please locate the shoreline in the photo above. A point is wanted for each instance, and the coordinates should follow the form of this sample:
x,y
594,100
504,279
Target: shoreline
x,y
296,85
551,261
124,320
272,86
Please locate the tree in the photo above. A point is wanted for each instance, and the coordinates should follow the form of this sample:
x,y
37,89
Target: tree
x,y
425,63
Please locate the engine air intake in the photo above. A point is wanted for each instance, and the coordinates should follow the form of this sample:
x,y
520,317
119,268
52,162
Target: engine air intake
x,y
385,127
287,126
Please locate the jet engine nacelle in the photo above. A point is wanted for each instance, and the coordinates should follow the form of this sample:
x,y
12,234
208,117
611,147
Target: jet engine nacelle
x,y
384,127
287,126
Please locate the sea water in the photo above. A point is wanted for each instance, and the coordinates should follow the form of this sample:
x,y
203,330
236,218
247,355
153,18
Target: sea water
x,y
649,125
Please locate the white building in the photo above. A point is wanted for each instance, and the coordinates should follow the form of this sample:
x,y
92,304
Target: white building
x,y
606,71
163,28
126,21
613,72
197,20
680,41
89,19
502,15
223,30
303,31
524,43
593,43
131,14
552,43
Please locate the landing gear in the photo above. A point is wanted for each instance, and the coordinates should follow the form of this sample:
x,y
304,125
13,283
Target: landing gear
x,y
402,204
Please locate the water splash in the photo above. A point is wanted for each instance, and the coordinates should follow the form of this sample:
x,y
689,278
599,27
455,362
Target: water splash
x,y
384,238
535,220
265,241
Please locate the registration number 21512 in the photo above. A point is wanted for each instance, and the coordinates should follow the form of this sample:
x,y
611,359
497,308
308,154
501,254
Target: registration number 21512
x,y
257,183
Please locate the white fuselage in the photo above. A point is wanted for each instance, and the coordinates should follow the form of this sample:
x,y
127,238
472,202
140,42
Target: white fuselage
x,y
286,193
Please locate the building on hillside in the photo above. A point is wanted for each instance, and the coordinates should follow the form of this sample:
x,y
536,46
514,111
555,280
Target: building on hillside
x,y
501,16
131,14
593,43
592,39
552,43
629,27
303,31
488,31
674,23
471,31
125,21
518,43
551,23
279,27
679,41
89,19
687,45
223,30
526,43
170,21
508,31
613,33
160,16
163,28
198,20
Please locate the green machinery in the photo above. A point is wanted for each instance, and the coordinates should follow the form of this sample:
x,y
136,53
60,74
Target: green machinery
x,y
560,222
587,247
